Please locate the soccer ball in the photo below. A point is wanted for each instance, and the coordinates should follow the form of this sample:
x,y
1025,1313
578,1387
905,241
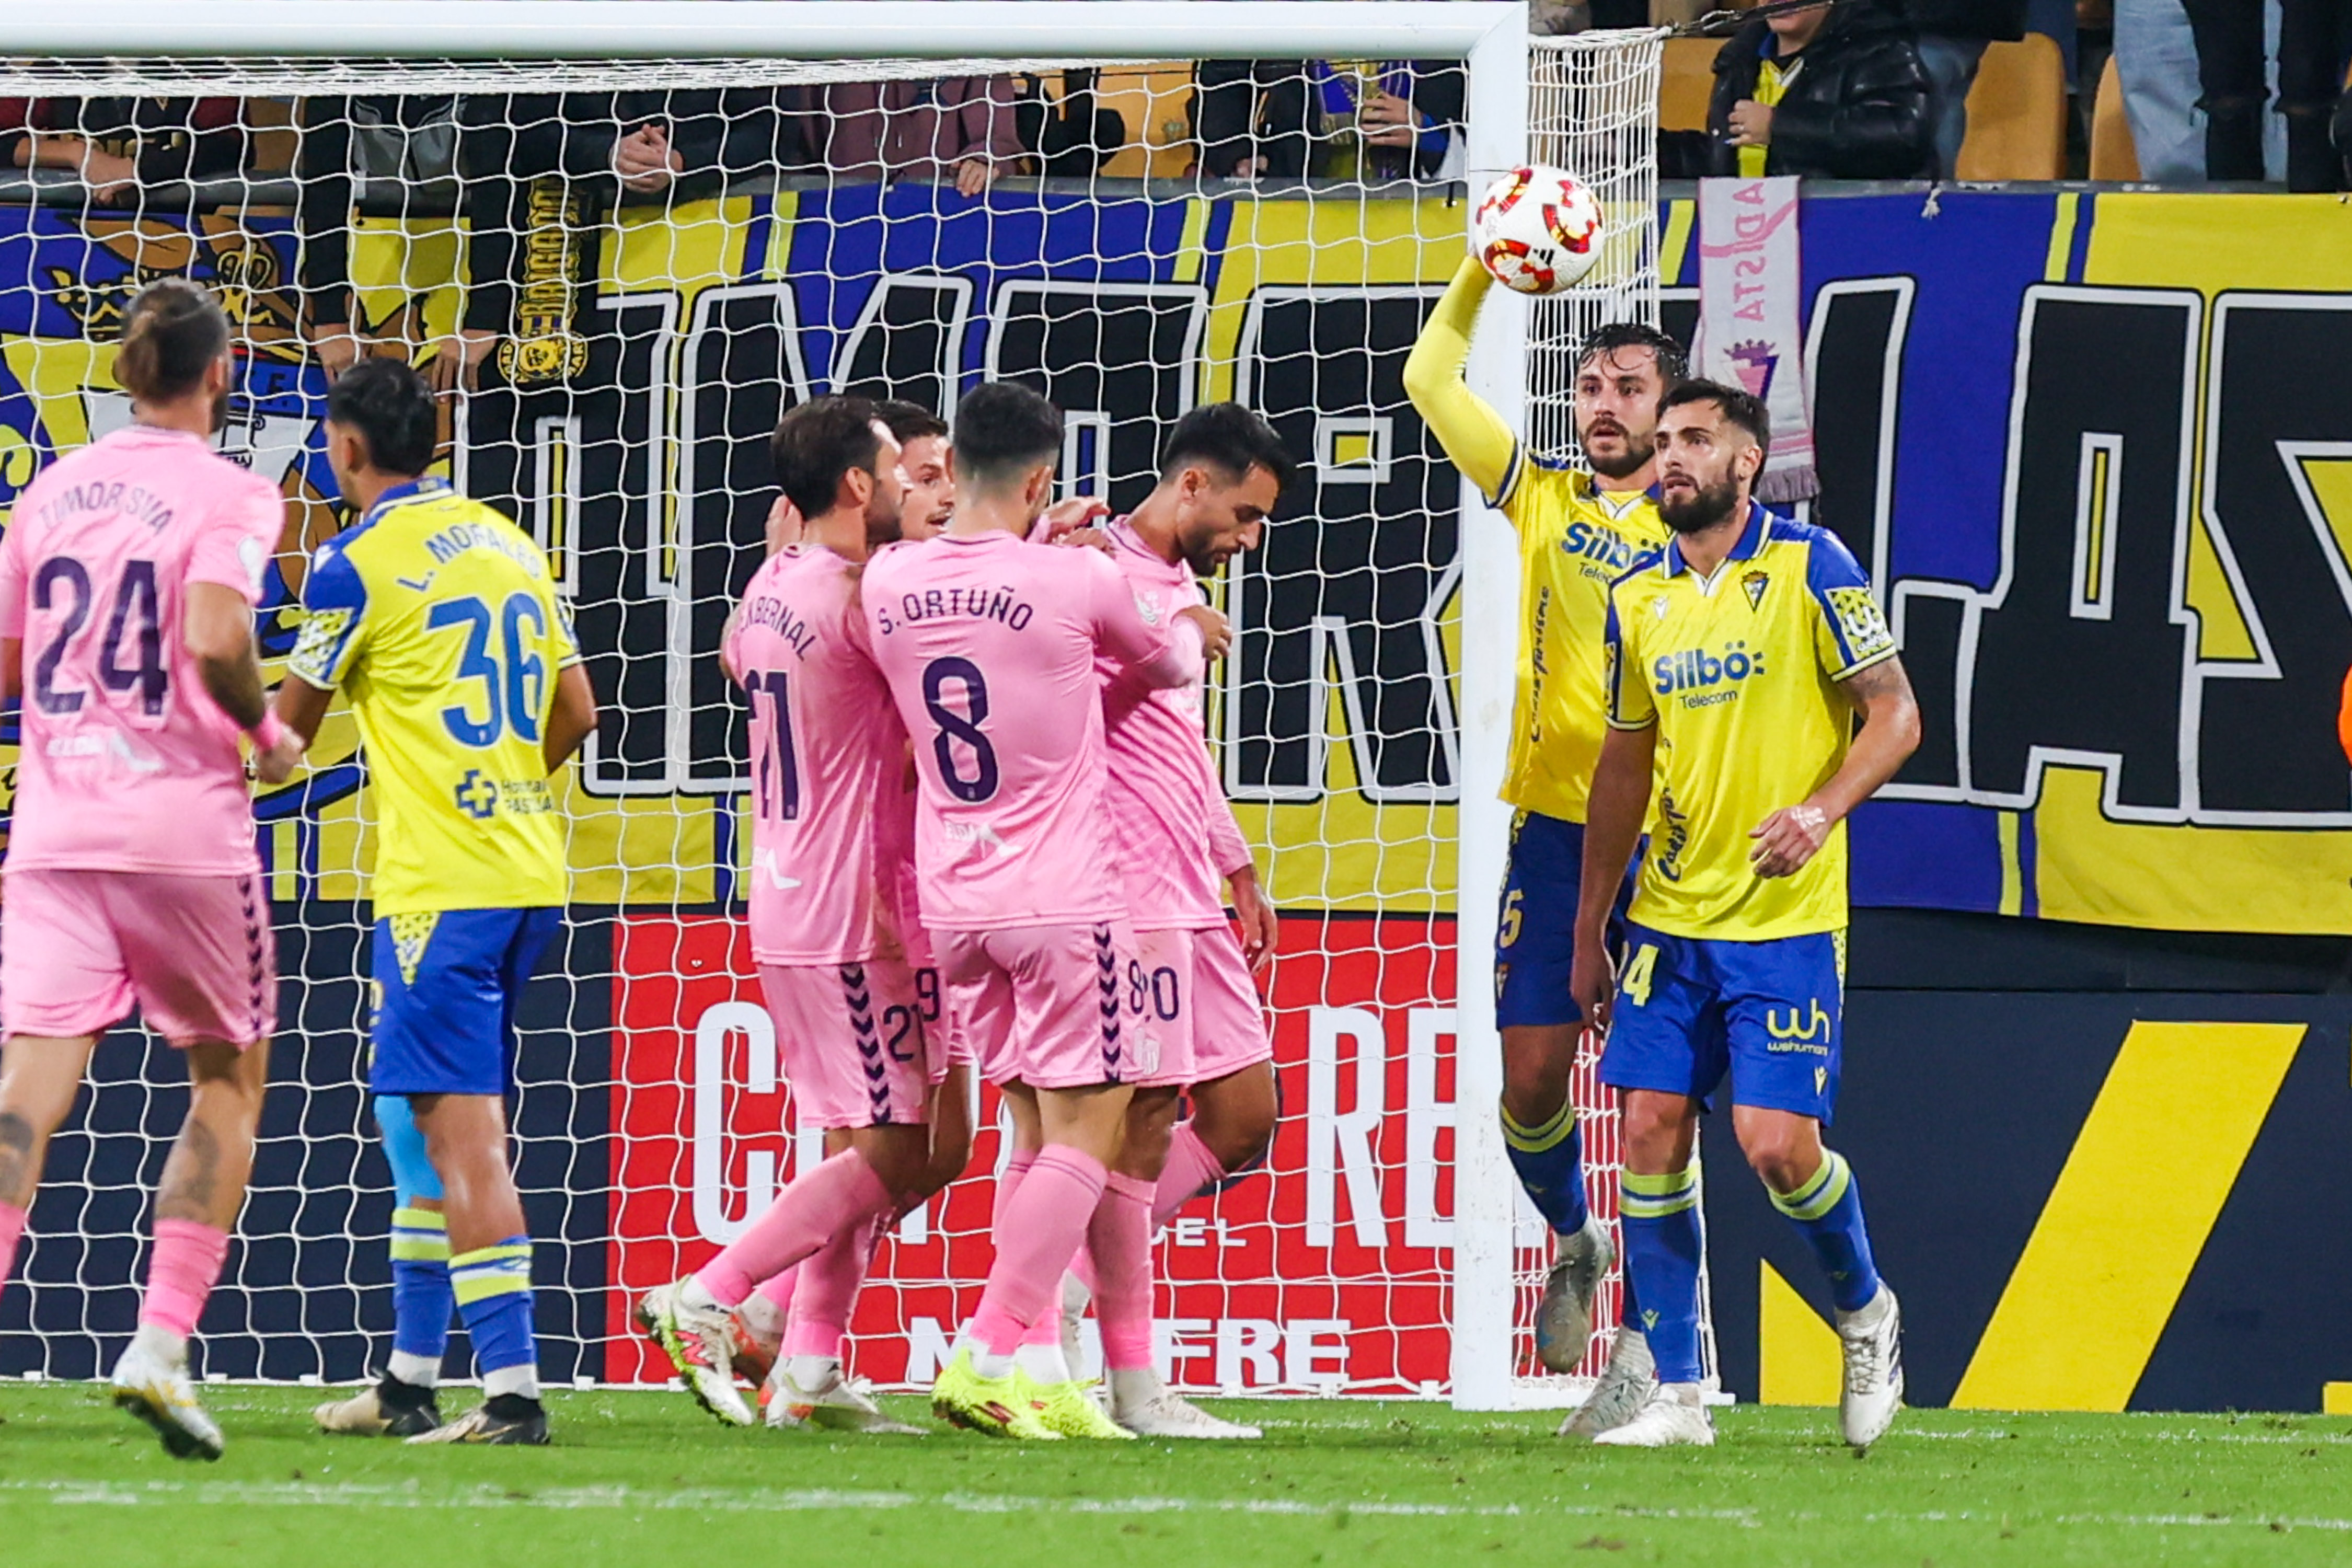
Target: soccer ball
x,y
1538,230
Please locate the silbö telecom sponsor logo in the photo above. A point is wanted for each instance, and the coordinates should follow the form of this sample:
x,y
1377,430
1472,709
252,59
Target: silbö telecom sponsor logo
x,y
1605,546
1704,678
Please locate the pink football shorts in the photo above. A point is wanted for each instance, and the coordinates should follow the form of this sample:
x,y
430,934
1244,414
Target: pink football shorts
x,y
858,1049
1051,1006
194,954
1197,992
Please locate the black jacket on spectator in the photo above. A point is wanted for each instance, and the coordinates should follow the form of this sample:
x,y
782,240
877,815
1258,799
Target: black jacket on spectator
x,y
1856,110
508,140
1267,108
1995,21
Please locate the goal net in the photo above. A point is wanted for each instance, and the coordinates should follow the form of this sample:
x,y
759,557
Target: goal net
x,y
624,269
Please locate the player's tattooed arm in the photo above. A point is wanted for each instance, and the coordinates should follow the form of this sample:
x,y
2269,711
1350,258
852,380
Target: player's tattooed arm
x,y
219,634
1881,694
1876,682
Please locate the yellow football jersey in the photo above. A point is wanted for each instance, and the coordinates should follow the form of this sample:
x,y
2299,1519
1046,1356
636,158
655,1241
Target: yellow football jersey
x,y
1771,86
1574,540
1738,672
440,621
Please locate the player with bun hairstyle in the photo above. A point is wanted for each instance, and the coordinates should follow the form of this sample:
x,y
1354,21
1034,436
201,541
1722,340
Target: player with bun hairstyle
x,y
132,568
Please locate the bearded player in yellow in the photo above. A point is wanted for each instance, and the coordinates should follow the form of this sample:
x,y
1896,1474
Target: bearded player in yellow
x,y
1578,528
1739,658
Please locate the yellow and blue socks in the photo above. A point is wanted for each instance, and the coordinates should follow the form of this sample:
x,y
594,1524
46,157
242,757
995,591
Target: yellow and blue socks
x,y
420,1296
1828,1210
493,1290
1549,1159
1659,1216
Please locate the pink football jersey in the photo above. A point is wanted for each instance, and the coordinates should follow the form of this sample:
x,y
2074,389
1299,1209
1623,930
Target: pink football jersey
x,y
1176,837
126,763
828,765
989,645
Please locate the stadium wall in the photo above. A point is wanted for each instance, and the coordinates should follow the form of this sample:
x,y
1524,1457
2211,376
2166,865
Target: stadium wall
x,y
2007,385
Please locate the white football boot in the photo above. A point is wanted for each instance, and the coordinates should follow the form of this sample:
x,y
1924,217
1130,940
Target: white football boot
x,y
1873,1339
1564,1316
1623,1388
700,1341
835,1404
1675,1414
156,1389
1149,1408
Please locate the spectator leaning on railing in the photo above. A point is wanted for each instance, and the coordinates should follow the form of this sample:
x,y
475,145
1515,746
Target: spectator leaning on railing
x,y
538,168
408,138
1829,92
121,146
1371,119
960,128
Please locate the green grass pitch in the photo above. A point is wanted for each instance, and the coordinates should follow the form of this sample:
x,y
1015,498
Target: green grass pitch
x,y
643,1479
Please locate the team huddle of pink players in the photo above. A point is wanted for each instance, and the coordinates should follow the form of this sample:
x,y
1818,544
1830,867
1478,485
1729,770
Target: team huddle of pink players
x,y
987,831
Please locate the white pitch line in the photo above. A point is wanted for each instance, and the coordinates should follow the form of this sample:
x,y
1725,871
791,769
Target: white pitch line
x,y
316,1495
2279,1439
119,1494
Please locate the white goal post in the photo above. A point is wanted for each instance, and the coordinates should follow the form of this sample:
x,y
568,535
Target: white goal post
x,y
1589,103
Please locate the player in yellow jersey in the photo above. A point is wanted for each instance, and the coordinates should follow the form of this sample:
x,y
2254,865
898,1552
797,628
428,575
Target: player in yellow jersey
x,y
1740,656
1577,531
439,620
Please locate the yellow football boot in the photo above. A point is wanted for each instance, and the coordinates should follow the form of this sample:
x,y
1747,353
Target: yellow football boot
x,y
1069,1410
991,1406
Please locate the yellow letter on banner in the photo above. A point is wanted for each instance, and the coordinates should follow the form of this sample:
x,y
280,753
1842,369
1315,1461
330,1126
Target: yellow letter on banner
x,y
1798,1360
2131,1211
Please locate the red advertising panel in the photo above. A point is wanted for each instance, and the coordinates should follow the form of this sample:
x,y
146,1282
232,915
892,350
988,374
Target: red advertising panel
x,y
1323,1269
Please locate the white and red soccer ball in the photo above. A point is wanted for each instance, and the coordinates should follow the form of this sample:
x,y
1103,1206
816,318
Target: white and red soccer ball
x,y
1538,230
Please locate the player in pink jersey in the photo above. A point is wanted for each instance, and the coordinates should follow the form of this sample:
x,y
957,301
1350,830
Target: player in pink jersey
x,y
128,578
989,645
828,931
924,462
1221,471
928,503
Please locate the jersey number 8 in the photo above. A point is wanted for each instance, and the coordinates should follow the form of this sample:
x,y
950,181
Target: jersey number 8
x,y
964,726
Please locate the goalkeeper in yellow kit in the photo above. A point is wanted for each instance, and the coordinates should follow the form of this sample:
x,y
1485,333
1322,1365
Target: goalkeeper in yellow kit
x,y
1578,528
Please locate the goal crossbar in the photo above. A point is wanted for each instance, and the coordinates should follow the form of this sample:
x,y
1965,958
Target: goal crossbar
x,y
773,29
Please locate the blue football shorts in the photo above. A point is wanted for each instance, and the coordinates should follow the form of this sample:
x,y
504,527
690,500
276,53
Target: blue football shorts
x,y
1769,1014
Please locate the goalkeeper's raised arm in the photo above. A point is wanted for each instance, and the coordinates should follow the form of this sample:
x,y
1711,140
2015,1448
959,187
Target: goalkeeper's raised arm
x,y
1465,424
1578,529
